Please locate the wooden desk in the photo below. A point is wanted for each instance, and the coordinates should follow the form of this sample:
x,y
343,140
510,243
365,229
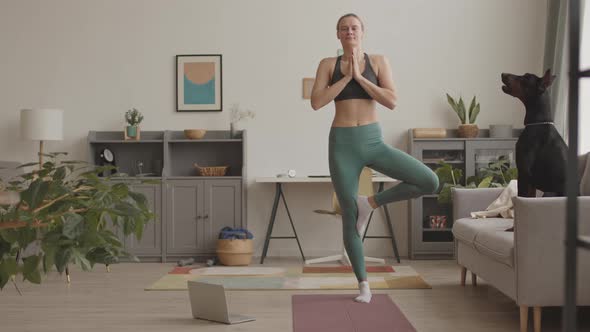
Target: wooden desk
x,y
278,181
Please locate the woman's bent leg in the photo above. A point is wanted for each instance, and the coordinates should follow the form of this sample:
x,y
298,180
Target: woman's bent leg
x,y
417,179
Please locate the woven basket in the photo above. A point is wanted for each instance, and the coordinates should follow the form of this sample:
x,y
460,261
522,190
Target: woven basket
x,y
234,251
211,170
468,130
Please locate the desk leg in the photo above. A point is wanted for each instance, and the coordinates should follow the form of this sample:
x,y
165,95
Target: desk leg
x,y
271,222
292,225
393,243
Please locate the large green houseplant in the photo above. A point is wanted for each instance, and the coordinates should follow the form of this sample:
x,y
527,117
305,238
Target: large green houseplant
x,y
495,174
66,215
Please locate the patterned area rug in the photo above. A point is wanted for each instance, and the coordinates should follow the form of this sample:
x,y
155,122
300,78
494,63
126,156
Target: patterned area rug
x,y
292,278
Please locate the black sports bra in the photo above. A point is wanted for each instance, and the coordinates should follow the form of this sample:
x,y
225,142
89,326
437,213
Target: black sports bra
x,y
353,90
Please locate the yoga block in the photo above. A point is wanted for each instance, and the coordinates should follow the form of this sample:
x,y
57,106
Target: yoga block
x,y
234,251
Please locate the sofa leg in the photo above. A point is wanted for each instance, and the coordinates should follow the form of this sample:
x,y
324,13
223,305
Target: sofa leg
x,y
473,279
537,319
463,275
524,318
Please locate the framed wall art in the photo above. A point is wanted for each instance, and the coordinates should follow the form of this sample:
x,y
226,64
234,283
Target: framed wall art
x,y
198,83
307,87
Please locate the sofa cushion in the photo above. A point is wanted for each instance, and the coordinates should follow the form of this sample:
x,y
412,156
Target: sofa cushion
x,y
488,236
498,245
467,229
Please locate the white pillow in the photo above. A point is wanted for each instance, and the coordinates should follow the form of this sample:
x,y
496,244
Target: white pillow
x,y
502,206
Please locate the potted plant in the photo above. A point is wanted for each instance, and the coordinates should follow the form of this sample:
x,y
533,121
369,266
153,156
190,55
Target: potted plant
x,y
467,128
66,214
133,118
236,116
496,174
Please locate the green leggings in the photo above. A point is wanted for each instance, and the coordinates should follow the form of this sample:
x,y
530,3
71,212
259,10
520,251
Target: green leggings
x,y
351,149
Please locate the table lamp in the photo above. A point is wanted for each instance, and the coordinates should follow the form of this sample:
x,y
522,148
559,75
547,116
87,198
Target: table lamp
x,y
43,124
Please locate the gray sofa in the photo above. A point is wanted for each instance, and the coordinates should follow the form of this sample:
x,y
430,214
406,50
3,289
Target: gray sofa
x,y
528,265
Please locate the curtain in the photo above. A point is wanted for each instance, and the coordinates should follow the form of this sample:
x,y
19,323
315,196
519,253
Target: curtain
x,y
555,58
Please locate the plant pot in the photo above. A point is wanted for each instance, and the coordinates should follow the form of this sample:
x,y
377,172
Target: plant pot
x,y
132,132
468,130
234,251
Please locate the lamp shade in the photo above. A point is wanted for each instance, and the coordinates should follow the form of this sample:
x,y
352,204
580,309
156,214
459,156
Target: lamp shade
x,y
42,124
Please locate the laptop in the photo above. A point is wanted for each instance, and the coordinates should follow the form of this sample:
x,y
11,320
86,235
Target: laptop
x,y
208,302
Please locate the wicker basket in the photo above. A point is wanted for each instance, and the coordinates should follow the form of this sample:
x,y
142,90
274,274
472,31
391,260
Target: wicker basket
x,y
211,170
234,251
468,130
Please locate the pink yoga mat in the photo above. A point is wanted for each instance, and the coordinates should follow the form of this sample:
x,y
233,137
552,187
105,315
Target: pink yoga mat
x,y
339,313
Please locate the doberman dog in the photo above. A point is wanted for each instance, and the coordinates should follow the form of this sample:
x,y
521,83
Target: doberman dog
x,y
541,153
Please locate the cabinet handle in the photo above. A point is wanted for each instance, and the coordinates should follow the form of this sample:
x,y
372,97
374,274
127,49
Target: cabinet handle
x,y
199,217
206,216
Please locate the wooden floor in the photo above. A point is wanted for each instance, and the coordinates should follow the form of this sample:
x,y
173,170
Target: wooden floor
x,y
116,301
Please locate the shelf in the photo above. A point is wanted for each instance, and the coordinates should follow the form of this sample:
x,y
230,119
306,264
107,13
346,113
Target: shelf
x,y
196,141
430,196
196,177
436,161
110,137
210,136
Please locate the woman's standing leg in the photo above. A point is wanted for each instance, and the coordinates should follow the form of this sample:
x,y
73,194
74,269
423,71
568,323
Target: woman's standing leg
x,y
345,170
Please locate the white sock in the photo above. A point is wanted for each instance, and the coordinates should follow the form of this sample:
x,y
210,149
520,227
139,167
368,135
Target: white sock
x,y
365,295
364,211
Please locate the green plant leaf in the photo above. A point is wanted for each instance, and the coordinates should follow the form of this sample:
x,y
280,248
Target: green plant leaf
x,y
27,165
9,235
140,199
486,182
72,225
60,173
80,259
36,193
473,114
62,258
511,174
31,269
462,112
8,268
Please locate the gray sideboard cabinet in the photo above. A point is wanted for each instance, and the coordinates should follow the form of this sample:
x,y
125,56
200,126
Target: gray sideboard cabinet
x,y
467,154
189,209
198,209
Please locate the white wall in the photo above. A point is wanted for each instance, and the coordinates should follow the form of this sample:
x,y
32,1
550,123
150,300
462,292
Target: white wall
x,y
96,59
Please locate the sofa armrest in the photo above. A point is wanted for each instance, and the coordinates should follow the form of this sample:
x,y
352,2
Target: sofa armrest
x,y
466,201
539,250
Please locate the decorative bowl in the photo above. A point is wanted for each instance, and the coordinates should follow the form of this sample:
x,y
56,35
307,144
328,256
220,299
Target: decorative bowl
x,y
194,133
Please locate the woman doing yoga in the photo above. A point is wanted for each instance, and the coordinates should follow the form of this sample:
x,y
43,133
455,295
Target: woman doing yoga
x,y
357,81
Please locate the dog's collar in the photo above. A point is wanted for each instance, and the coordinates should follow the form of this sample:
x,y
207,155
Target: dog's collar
x,y
538,123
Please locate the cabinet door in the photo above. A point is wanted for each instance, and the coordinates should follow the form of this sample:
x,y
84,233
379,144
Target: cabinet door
x,y
183,208
222,207
480,154
151,241
425,238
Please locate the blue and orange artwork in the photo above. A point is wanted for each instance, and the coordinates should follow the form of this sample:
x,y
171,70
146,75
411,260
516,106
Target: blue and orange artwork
x,y
199,83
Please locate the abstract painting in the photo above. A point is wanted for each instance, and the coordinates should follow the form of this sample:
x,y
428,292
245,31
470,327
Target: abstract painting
x,y
198,83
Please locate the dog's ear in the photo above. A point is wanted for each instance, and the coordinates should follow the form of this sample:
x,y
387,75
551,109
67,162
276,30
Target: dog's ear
x,y
547,79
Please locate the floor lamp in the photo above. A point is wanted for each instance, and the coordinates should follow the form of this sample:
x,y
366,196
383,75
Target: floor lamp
x,y
43,124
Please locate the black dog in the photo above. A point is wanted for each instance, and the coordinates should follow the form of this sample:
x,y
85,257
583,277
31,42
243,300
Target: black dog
x,y
541,153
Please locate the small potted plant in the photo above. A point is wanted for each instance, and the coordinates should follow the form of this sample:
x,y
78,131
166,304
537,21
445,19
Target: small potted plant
x,y
133,118
236,116
467,128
